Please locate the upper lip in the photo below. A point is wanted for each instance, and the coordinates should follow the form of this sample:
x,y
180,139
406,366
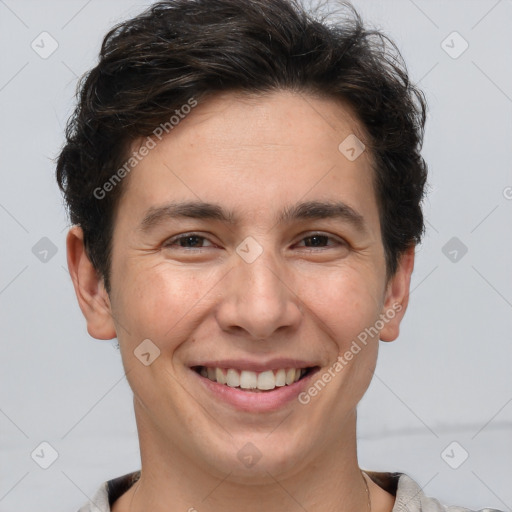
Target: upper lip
x,y
255,366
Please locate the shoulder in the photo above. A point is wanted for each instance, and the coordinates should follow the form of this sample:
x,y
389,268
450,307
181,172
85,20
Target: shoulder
x,y
99,502
409,496
109,492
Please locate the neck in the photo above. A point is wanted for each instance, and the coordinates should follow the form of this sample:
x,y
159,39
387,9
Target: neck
x,y
170,481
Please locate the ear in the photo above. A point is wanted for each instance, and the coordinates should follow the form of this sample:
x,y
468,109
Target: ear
x,y
397,297
89,288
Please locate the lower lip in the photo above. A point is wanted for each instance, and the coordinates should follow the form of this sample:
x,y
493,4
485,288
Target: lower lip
x,y
248,401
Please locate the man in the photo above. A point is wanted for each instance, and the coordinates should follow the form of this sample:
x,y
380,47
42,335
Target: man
x,y
245,186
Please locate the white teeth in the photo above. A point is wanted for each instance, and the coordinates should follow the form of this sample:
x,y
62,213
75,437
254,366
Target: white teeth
x,y
233,378
280,378
248,380
290,376
220,376
264,381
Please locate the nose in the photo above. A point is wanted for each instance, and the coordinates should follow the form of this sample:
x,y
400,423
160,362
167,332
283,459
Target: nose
x,y
258,298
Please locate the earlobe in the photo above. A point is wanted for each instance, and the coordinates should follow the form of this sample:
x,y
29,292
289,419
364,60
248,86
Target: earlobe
x,y
397,297
89,288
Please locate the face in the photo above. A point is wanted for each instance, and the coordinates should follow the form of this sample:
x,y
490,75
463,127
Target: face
x,y
247,248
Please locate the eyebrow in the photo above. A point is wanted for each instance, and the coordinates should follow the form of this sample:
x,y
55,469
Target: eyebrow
x,y
300,211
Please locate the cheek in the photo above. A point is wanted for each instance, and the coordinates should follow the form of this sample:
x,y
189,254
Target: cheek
x,y
344,302
342,306
160,303
163,305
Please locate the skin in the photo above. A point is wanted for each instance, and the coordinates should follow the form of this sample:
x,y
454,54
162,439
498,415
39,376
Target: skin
x,y
252,155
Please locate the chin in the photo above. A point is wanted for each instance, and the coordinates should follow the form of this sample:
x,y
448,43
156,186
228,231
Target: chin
x,y
258,459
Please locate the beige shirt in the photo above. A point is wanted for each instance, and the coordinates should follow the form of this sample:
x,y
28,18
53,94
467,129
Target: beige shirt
x,y
408,494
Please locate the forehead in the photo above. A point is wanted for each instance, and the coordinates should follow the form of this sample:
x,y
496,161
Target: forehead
x,y
249,151
279,120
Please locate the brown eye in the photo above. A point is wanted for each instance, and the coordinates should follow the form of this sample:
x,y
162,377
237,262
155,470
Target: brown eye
x,y
187,241
319,240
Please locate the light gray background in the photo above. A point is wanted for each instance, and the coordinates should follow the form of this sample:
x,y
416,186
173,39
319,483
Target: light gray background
x,y
447,378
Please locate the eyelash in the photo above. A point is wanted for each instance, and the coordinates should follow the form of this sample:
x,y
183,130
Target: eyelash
x,y
169,243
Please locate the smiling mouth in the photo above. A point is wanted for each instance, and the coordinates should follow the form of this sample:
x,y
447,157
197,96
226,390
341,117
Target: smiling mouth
x,y
254,381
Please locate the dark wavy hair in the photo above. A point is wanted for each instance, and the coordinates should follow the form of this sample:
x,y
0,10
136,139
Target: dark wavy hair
x,y
151,65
